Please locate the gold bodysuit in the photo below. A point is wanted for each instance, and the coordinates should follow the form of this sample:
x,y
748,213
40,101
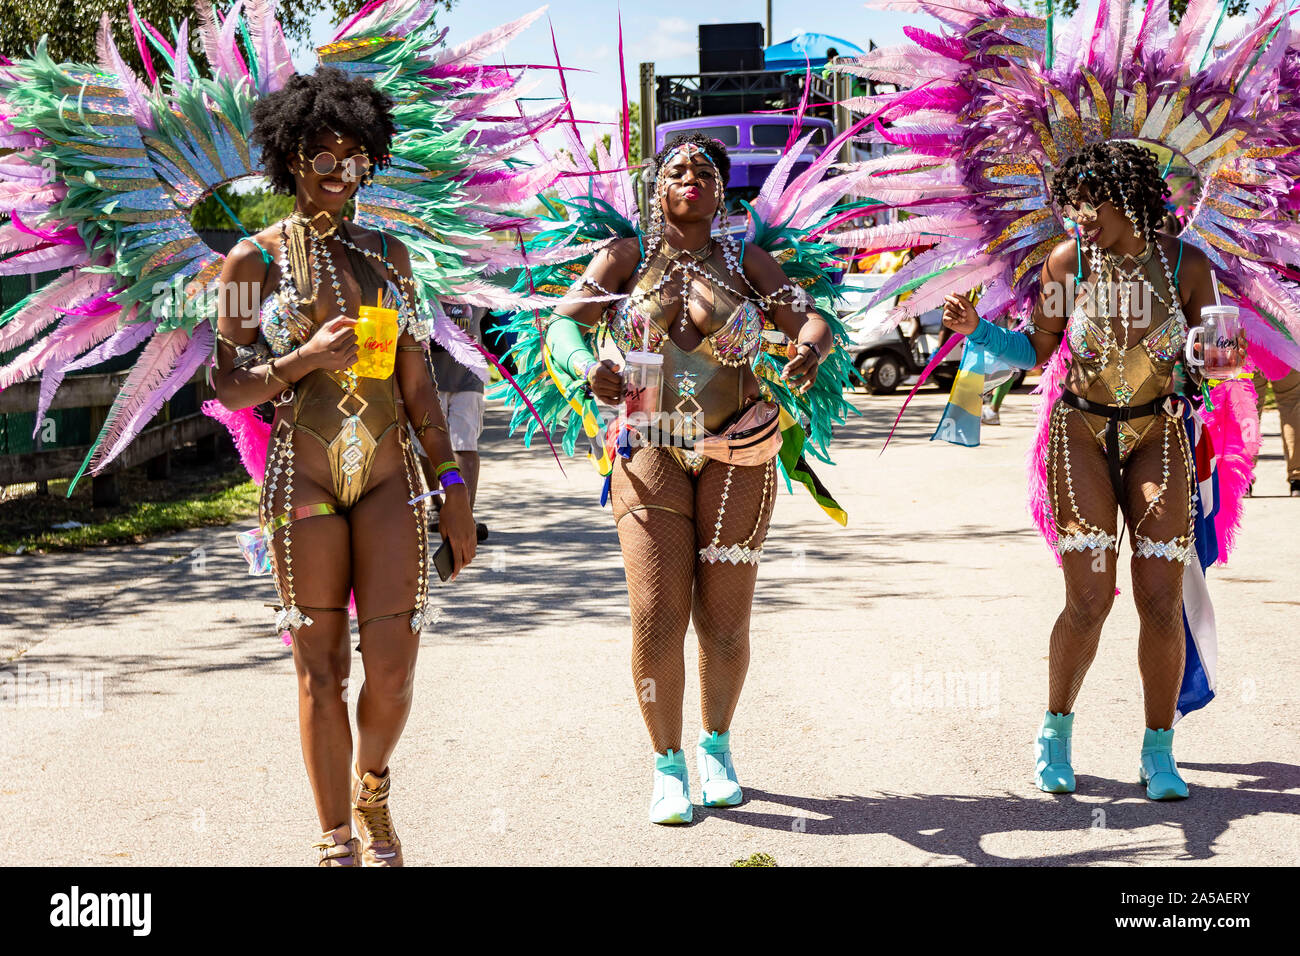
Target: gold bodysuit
x,y
349,421
348,426
711,383
1104,372
1142,372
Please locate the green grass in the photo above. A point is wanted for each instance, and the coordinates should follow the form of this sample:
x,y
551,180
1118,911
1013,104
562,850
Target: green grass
x,y
141,520
756,859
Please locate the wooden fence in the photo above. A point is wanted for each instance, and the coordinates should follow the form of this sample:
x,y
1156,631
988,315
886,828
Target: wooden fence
x,y
152,447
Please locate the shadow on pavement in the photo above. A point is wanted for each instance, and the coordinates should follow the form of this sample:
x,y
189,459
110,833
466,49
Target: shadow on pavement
x,y
955,825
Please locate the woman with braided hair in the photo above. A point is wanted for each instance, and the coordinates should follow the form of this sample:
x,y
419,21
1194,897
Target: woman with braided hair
x,y
1122,295
691,527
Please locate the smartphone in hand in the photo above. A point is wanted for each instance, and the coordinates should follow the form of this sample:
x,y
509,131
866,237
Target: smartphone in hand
x,y
444,562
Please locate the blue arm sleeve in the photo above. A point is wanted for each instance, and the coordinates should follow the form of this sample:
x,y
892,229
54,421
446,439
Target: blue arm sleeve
x,y
1012,347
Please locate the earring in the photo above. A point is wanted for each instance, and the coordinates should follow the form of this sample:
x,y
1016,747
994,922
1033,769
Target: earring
x,y
1137,232
657,214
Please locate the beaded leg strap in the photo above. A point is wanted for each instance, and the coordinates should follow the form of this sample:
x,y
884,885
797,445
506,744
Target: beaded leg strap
x,y
737,553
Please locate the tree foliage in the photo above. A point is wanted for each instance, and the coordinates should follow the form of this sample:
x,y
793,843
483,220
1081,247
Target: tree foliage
x,y
254,210
70,26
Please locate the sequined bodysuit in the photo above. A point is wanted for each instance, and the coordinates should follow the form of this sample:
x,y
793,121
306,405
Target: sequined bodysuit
x,y
349,427
1145,370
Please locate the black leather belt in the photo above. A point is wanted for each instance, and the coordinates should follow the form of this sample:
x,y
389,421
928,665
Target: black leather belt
x,y
1114,414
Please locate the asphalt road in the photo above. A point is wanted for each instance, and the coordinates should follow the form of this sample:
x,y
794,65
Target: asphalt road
x,y
898,677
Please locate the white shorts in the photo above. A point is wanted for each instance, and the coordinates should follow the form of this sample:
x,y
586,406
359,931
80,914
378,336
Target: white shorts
x,y
464,414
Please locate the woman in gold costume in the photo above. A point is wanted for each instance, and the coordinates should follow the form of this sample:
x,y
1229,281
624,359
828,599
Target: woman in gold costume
x,y
691,527
341,468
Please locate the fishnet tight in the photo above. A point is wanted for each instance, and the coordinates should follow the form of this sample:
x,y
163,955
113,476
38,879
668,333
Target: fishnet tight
x,y
664,517
1090,576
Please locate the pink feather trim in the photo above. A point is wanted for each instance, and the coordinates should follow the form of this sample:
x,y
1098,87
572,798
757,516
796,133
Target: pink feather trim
x,y
251,436
1050,386
1233,427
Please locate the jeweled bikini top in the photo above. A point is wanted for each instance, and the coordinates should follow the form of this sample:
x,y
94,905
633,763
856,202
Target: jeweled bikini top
x,y
1101,369
737,321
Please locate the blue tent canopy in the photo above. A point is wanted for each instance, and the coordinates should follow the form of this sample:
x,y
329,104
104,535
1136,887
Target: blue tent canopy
x,y
805,49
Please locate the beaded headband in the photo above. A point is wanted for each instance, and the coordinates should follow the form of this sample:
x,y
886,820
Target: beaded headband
x,y
651,169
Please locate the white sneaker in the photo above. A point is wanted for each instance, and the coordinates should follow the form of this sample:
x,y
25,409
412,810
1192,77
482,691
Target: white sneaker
x,y
989,417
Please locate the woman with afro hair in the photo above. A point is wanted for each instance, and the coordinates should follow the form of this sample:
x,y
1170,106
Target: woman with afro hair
x,y
1122,294
691,527
341,466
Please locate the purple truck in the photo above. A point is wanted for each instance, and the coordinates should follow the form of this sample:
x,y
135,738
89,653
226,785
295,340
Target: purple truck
x,y
754,142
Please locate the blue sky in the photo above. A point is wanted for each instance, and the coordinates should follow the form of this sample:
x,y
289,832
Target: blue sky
x,y
665,34
662,33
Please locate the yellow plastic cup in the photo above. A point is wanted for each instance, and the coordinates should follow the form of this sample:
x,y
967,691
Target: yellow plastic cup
x,y
376,330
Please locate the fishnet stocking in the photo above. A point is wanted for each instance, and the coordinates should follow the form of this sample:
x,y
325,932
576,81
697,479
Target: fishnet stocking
x,y
724,592
653,502
1089,575
1157,581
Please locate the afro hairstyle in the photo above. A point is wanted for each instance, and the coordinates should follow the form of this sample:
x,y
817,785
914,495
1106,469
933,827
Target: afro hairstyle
x,y
307,105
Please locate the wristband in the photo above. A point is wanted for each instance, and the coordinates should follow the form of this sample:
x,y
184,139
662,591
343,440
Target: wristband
x,y
447,479
445,467
816,351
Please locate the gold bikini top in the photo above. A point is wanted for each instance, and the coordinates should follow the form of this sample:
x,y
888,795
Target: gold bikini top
x,y
737,321
710,380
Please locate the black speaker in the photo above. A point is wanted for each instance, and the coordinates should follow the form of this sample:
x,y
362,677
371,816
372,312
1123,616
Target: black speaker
x,y
730,61
731,47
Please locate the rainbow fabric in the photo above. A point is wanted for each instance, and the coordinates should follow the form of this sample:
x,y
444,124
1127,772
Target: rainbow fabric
x,y
960,423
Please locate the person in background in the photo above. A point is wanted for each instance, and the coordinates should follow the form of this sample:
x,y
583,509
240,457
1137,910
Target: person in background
x,y
1287,392
460,392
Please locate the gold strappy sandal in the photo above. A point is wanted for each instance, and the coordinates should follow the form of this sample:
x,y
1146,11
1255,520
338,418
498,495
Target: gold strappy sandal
x,y
339,848
373,823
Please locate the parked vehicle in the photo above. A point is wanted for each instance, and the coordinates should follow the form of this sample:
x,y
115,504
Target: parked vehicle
x,y
886,356
754,141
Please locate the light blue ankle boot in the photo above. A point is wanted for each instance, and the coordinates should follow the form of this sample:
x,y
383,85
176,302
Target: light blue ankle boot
x,y
1159,771
1053,772
717,773
671,802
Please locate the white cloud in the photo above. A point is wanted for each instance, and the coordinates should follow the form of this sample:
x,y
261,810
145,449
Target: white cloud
x,y
589,110
674,25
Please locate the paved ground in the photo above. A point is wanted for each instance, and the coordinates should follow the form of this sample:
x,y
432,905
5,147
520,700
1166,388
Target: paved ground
x,y
899,672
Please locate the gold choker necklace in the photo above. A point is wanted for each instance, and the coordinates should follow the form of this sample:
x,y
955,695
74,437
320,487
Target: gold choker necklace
x,y
310,222
699,255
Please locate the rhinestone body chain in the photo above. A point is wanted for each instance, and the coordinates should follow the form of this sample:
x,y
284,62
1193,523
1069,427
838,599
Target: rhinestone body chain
x,y
738,553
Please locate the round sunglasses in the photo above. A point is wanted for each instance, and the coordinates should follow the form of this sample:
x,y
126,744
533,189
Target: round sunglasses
x,y
1085,210
354,167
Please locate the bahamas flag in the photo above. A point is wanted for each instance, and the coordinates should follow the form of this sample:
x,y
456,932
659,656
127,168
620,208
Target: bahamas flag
x,y
960,423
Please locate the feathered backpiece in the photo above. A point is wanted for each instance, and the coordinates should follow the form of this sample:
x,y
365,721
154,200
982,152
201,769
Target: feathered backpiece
x,y
993,102
596,204
108,167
